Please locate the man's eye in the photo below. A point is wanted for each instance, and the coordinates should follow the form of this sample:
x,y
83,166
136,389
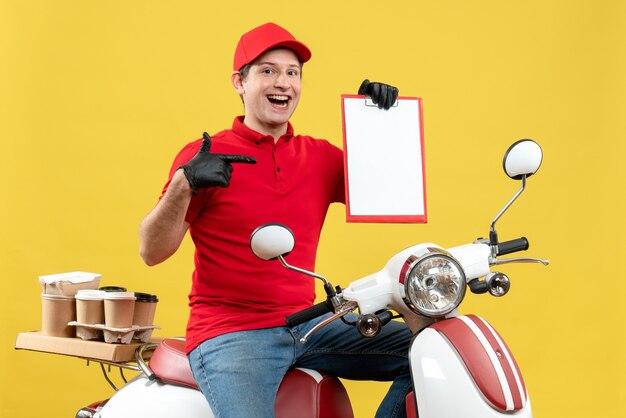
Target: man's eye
x,y
268,71
293,73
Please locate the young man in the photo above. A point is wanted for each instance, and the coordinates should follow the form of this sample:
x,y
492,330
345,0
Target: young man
x,y
237,342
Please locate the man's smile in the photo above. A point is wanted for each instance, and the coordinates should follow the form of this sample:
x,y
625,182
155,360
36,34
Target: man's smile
x,y
278,99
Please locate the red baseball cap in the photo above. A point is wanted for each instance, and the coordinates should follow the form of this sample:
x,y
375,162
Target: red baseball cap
x,y
263,38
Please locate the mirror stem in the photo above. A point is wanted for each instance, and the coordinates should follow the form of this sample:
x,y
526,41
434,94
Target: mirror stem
x,y
299,270
493,235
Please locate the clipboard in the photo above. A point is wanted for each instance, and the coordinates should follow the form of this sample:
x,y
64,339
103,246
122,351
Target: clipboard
x,y
384,160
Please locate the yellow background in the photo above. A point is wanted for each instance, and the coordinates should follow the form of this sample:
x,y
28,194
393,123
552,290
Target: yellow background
x,y
97,97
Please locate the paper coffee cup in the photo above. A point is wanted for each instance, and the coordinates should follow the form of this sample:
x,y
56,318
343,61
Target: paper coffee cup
x,y
56,312
145,307
90,307
119,308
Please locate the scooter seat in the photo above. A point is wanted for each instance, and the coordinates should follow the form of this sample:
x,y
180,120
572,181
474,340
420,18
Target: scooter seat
x,y
170,364
303,393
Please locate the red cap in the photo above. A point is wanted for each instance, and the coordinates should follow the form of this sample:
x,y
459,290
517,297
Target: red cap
x,y
265,37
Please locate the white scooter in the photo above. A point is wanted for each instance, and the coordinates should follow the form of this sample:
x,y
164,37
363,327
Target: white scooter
x,y
460,366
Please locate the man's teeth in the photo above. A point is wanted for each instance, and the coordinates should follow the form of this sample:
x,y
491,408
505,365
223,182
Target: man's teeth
x,y
280,98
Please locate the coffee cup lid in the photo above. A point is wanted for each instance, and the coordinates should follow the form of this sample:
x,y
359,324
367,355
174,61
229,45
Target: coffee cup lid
x,y
56,297
146,297
119,296
113,289
89,294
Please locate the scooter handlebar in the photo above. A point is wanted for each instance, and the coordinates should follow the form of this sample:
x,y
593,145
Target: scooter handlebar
x,y
309,313
515,245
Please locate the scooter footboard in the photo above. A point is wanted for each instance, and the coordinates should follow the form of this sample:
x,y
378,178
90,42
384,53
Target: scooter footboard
x,y
462,367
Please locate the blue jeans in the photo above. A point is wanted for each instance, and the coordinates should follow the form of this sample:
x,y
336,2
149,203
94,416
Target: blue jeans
x,y
239,373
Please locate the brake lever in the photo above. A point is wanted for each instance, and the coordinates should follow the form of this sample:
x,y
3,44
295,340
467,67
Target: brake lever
x,y
343,310
499,261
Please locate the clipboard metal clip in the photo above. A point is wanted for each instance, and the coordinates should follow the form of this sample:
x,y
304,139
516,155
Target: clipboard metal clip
x,y
370,103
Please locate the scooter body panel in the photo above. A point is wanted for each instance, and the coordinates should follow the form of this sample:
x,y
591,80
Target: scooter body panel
x,y
446,387
144,398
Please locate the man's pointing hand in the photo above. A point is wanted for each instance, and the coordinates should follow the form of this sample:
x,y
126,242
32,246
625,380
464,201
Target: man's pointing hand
x,y
211,170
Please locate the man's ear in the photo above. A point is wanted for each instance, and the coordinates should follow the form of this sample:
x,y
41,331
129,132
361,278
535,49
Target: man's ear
x,y
237,80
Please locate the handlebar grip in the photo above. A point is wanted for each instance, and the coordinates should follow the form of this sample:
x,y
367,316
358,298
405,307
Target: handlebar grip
x,y
515,245
309,313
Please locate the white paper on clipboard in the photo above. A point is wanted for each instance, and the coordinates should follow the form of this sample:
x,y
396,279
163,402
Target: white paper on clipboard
x,y
384,161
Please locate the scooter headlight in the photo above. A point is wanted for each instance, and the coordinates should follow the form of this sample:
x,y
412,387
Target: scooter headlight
x,y
434,284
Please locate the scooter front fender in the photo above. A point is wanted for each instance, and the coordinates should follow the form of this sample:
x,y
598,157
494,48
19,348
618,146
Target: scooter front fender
x,y
144,398
461,368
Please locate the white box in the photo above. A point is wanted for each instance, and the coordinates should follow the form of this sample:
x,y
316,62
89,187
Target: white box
x,y
67,284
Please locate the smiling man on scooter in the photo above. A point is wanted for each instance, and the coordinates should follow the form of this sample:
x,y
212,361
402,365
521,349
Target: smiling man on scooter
x,y
237,342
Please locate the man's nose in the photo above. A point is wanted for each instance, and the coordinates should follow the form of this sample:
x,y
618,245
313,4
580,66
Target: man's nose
x,y
281,80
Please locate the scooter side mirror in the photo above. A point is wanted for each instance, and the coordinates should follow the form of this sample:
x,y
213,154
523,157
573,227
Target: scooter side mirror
x,y
270,241
523,158
521,161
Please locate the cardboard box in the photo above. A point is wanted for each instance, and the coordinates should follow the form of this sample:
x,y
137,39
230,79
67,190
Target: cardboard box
x,y
67,284
77,347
